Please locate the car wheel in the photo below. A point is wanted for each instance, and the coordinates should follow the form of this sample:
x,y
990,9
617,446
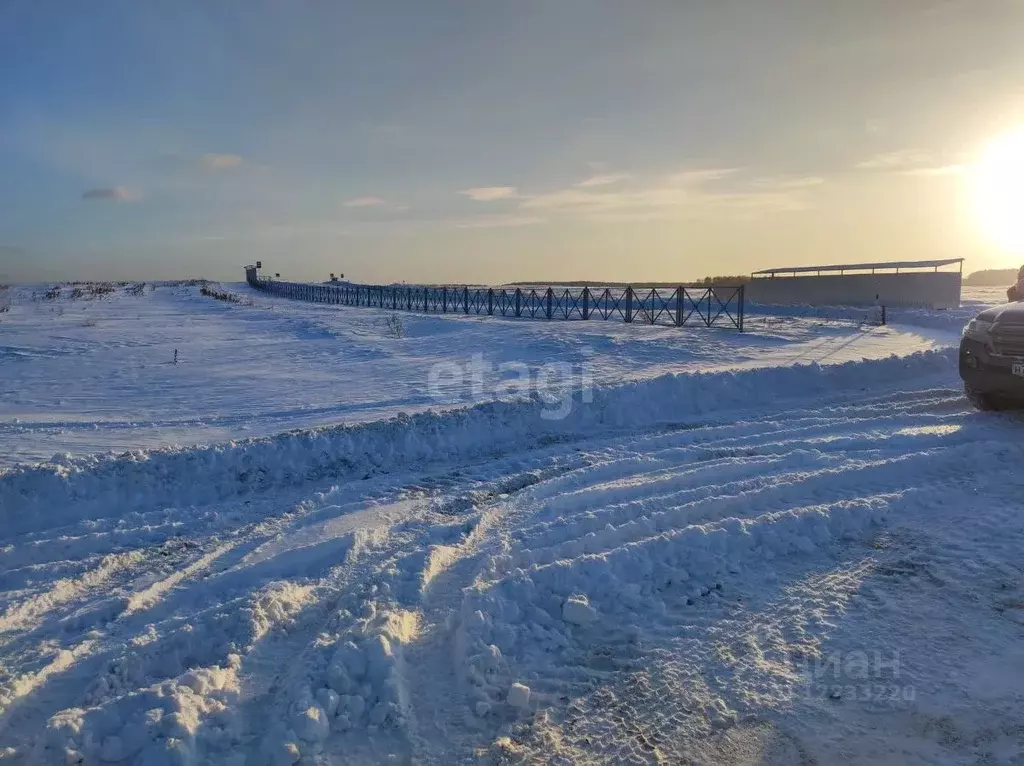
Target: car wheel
x,y
980,400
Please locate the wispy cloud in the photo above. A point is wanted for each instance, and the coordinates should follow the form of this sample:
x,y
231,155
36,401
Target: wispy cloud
x,y
682,194
701,176
938,170
912,162
787,182
221,161
490,193
112,194
365,202
498,221
603,180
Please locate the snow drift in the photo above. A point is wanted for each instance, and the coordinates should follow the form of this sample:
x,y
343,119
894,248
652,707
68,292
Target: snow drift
x,y
72,488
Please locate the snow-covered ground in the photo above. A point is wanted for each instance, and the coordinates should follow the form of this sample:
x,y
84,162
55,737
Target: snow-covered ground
x,y
799,545
84,376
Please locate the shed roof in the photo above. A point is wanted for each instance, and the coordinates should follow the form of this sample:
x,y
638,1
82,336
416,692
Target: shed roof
x,y
862,266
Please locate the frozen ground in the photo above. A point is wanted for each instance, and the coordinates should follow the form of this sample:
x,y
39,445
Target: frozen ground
x,y
781,564
84,376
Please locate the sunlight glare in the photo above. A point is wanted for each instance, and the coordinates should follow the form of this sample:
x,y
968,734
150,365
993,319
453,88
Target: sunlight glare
x,y
997,180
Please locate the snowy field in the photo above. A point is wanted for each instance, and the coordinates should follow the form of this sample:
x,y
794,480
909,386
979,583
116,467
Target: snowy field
x,y
86,376
795,545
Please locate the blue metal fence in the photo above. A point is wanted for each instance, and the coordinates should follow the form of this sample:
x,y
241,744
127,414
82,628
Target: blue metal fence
x,y
679,306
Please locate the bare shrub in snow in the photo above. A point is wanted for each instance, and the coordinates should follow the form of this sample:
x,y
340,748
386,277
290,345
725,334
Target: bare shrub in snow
x,y
223,295
99,289
393,326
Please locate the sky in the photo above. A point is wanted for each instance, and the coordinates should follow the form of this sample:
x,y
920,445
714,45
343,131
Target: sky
x,y
404,140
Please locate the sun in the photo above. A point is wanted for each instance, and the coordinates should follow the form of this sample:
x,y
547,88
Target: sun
x,y
997,191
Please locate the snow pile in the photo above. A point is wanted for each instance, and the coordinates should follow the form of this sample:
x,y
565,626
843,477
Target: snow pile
x,y
71,488
353,680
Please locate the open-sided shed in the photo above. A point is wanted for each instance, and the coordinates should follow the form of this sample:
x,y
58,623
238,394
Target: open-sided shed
x,y
928,284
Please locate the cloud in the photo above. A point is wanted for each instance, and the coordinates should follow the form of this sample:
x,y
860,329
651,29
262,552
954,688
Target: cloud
x,y
897,160
365,202
938,170
683,194
221,161
114,194
498,221
701,176
787,182
911,162
490,193
603,180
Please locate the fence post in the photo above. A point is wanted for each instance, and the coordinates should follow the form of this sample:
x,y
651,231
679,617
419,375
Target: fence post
x,y
519,308
680,292
586,303
742,307
549,303
444,300
465,298
490,301
629,304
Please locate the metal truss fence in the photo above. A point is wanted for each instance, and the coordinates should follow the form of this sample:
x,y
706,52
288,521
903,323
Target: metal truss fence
x,y
680,306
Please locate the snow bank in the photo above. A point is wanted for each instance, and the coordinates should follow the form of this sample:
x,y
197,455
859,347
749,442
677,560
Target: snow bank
x,y
69,488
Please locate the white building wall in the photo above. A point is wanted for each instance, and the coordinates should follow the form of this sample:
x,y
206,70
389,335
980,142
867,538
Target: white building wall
x,y
926,289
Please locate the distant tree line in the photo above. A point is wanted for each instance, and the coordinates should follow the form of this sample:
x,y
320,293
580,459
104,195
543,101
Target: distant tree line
x,y
991,278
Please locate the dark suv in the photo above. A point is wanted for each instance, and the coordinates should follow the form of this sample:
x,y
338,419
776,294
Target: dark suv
x,y
992,357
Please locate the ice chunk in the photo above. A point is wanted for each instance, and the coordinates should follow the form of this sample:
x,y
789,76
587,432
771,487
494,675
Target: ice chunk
x,y
312,724
519,696
284,754
328,699
351,657
578,611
